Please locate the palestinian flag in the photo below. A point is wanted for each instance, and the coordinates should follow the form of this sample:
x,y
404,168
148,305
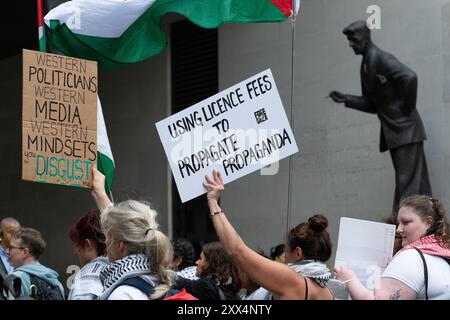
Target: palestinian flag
x,y
105,160
118,32
41,33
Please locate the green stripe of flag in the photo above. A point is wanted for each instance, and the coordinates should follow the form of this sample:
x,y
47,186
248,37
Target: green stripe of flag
x,y
144,38
106,166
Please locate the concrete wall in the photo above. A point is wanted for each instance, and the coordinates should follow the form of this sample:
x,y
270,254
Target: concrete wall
x,y
134,98
338,171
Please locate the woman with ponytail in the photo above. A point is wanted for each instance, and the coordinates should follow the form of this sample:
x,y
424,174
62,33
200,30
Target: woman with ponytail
x,y
140,254
420,270
308,247
304,278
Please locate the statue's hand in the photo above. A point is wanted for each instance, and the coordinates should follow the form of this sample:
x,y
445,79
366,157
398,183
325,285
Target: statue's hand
x,y
337,96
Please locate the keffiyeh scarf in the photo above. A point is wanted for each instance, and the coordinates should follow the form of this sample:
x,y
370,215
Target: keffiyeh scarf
x,y
188,273
129,267
316,270
87,284
429,245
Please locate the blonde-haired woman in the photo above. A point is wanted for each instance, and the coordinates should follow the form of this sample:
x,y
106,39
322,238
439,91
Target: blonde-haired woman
x,y
140,254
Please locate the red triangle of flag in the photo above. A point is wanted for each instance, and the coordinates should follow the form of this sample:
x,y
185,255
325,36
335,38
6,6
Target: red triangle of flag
x,y
285,6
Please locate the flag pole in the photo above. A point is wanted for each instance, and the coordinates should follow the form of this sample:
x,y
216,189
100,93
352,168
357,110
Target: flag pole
x,y
41,30
291,160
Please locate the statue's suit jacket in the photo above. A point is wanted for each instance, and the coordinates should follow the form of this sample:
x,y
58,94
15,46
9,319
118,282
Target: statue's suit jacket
x,y
389,89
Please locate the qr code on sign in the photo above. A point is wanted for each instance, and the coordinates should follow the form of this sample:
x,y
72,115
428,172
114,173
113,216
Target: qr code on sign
x,y
260,116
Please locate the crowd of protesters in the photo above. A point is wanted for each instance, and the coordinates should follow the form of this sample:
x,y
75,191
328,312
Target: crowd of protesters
x,y
125,256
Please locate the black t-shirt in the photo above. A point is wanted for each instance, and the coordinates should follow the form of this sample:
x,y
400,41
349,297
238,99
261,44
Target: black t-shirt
x,y
204,289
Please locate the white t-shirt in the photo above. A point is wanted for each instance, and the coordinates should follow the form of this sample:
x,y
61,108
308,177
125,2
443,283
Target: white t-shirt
x,y
407,267
127,293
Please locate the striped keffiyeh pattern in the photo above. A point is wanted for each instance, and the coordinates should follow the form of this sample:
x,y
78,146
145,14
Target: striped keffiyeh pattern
x,y
316,270
430,245
128,267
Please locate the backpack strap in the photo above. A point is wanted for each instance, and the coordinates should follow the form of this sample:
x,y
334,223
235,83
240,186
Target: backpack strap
x,y
13,284
3,271
221,294
139,283
447,260
306,289
425,270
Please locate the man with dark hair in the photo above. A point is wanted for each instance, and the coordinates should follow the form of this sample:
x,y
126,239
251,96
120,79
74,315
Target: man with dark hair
x,y
183,254
25,249
7,226
389,89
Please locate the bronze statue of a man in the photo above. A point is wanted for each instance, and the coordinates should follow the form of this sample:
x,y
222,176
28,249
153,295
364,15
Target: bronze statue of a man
x,y
389,89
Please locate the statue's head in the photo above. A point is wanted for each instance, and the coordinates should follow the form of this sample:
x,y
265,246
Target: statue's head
x,y
358,34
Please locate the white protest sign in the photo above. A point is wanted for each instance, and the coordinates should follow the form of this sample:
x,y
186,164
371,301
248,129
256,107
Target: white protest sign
x,y
237,131
365,247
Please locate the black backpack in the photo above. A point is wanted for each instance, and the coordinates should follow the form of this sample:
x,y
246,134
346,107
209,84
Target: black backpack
x,y
42,290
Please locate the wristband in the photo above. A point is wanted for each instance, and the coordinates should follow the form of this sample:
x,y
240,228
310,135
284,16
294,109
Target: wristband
x,y
212,214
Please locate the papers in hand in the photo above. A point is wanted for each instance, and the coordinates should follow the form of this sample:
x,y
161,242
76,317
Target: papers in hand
x,y
366,248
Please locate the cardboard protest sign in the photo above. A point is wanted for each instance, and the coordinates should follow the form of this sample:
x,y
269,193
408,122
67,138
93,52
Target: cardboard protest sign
x,y
237,131
59,135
